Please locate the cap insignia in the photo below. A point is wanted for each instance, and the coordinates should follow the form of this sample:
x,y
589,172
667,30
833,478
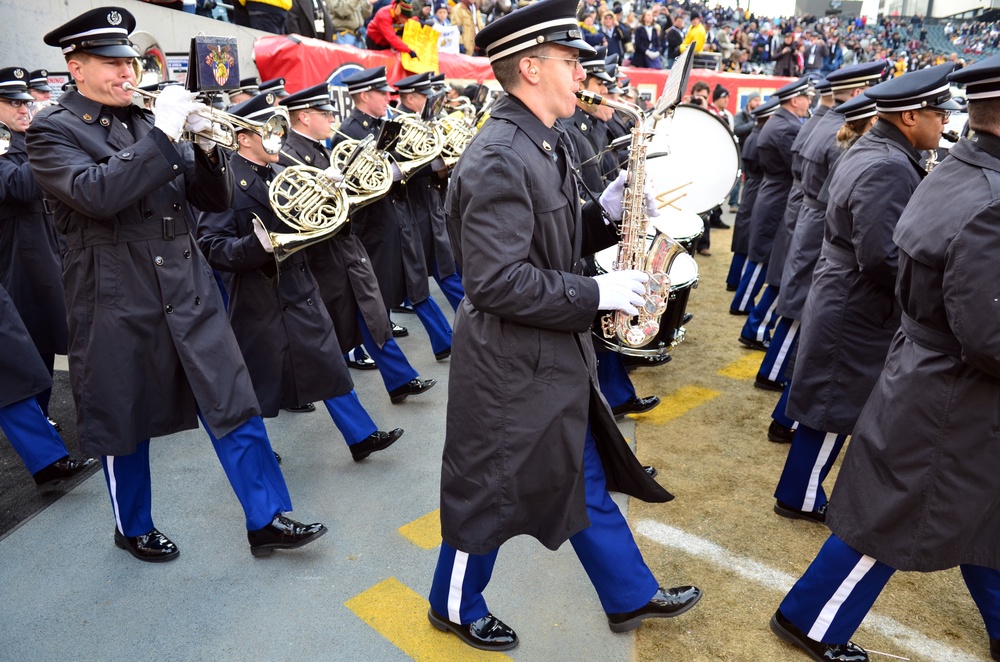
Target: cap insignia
x,y
43,72
269,98
19,73
114,18
87,117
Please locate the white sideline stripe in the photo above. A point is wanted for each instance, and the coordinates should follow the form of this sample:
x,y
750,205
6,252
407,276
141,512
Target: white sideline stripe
x,y
905,637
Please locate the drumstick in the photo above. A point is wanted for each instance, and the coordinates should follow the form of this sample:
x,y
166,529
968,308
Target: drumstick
x,y
669,203
661,194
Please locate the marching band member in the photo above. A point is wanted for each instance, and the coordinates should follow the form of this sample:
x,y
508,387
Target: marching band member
x,y
341,265
150,348
525,418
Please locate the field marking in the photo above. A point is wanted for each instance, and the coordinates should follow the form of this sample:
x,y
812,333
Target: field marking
x,y
745,367
677,404
399,614
424,532
906,637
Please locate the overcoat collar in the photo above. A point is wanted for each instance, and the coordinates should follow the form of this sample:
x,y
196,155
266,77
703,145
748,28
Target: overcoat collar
x,y
981,149
250,181
92,112
886,132
513,110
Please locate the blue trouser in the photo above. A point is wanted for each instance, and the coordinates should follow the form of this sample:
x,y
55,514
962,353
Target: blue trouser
x,y
35,441
246,457
736,270
606,549
350,417
612,377
451,287
809,459
435,323
389,358
750,283
779,414
762,318
786,333
839,588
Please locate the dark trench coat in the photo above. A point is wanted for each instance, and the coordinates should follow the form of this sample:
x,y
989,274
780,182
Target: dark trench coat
x,y
918,489
523,381
22,372
774,156
149,340
752,178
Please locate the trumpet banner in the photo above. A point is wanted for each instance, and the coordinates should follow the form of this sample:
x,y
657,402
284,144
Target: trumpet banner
x,y
423,39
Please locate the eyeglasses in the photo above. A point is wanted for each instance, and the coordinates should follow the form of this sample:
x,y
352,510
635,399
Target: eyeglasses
x,y
325,113
15,103
574,61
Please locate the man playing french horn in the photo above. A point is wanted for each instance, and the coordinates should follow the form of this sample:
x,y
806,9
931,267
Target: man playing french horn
x,y
150,347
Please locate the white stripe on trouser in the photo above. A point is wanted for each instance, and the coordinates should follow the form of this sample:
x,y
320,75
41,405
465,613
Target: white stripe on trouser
x,y
455,586
762,329
826,615
746,295
812,489
786,345
113,488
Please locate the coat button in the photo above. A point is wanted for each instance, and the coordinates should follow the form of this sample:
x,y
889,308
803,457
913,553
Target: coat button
x,y
309,302
176,167
187,254
363,260
302,267
149,213
177,206
284,308
158,261
170,309
197,301
572,292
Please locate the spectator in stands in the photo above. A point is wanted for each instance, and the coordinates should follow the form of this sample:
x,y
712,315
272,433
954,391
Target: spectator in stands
x,y
267,15
815,55
469,19
614,36
309,18
672,40
785,59
348,18
386,27
648,43
695,35
591,34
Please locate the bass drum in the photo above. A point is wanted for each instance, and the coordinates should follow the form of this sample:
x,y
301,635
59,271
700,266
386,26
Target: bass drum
x,y
683,274
683,227
693,160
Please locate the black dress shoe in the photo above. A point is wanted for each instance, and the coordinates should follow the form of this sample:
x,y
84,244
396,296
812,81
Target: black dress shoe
x,y
719,225
283,533
302,409
399,331
277,458
412,387
651,471
687,318
753,343
489,633
55,424
636,406
364,363
769,384
736,311
779,434
441,356
61,470
403,309
376,441
818,515
667,603
817,650
995,648
731,288
152,547
645,361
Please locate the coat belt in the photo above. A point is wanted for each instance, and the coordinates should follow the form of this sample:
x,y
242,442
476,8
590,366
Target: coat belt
x,y
98,235
925,336
842,256
813,203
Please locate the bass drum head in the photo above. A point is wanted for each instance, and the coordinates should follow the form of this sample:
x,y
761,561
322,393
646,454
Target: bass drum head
x,y
692,160
683,272
682,226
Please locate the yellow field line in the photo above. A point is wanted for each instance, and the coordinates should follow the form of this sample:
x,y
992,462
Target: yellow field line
x,y
400,615
424,532
745,367
679,403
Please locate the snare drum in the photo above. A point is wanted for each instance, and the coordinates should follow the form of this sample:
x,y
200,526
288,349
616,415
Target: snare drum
x,y
683,273
693,160
683,227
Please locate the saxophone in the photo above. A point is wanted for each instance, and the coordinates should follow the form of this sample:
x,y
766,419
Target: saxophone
x,y
634,331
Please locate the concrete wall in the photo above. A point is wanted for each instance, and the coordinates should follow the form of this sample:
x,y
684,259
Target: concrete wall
x,y
27,22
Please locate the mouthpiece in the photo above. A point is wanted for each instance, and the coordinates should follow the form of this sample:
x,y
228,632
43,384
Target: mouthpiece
x,y
128,87
592,98
950,136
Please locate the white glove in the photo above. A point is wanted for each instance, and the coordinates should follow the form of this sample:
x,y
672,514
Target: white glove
x,y
334,174
198,122
622,290
652,205
652,54
611,199
397,174
172,109
262,236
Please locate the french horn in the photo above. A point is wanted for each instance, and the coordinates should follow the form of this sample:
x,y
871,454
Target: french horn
x,y
367,171
457,132
418,144
5,137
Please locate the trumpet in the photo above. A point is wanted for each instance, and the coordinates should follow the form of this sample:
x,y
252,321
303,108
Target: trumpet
x,y
5,137
225,125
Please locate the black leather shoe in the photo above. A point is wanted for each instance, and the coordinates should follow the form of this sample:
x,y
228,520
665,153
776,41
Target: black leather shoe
x,y
687,318
849,652
651,471
753,343
376,441
412,387
60,470
646,361
818,515
152,547
995,648
441,356
667,603
736,311
55,424
302,409
364,363
731,288
403,309
489,633
769,384
636,406
277,458
283,533
719,225
779,434
399,331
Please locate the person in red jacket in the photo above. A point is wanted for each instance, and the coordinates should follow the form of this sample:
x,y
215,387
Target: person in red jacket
x,y
386,26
